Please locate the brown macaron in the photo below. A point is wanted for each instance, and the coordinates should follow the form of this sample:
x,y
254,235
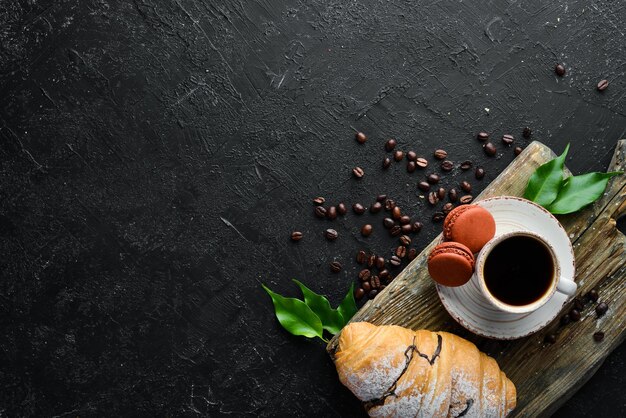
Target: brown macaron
x,y
471,225
451,264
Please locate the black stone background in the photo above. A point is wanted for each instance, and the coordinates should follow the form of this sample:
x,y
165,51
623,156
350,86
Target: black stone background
x,y
156,155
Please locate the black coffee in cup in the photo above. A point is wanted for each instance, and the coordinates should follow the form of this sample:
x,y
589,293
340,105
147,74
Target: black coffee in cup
x,y
519,270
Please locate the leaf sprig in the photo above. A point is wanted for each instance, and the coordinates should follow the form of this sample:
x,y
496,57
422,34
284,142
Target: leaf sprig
x,y
548,187
313,315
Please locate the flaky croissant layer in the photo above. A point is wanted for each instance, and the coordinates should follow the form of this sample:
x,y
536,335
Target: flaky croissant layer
x,y
398,372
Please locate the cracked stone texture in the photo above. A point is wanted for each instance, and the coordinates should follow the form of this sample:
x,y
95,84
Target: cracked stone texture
x,y
156,155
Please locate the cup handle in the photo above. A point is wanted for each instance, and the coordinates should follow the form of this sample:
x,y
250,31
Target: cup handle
x,y
567,287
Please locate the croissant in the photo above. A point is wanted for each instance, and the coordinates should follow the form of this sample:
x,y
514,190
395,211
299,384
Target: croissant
x,y
397,372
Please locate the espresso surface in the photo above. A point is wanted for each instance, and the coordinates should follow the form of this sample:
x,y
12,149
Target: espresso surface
x,y
519,270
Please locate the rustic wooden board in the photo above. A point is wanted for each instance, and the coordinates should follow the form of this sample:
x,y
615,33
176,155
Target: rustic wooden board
x,y
545,375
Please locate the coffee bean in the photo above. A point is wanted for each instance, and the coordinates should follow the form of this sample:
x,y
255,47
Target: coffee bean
x,y
466,199
466,165
411,167
331,213
421,162
372,294
423,186
361,257
406,228
490,149
593,295
579,304
412,254
366,286
405,219
480,173
388,223
440,154
517,150
359,293
366,230
335,266
371,260
482,136
433,178
453,195
386,163
447,208
507,139
527,132
395,231
565,319
380,262
341,209
559,69
396,213
319,200
441,193
601,308
602,85
320,211
574,315
390,144
465,186
400,251
381,198
447,165
417,226
598,336
411,156
398,155
364,275
433,198
390,204
550,338
331,234
358,172
296,236
361,138
375,282
383,274
395,261
438,216
405,240
376,207
358,208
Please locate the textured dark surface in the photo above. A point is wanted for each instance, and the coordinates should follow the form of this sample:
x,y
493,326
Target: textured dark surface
x,y
155,157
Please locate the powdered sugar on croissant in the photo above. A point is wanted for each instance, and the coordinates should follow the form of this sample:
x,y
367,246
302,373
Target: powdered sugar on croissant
x,y
397,372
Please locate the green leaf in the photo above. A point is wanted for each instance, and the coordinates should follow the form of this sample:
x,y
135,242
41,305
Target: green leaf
x,y
347,307
545,183
295,316
332,321
579,191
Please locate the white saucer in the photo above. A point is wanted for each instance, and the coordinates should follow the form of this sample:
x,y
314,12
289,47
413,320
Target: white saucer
x,y
469,307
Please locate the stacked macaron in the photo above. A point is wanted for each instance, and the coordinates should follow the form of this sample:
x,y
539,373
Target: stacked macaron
x,y
466,229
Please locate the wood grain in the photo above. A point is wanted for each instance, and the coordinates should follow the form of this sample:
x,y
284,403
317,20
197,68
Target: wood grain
x,y
545,375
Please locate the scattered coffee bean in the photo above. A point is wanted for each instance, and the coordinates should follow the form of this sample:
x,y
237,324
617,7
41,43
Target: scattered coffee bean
x,y
438,216
412,254
592,295
359,293
440,154
390,204
319,200
574,315
371,260
335,266
421,162
507,139
372,293
375,282
358,208
598,336
517,150
361,137
480,173
405,240
406,228
395,261
405,219
482,136
490,149
398,155
400,251
380,262
376,207
358,172
361,257
296,236
453,195
366,230
550,338
320,211
433,178
331,234
579,304
423,186
601,308
411,155
341,209
433,198
411,166
364,275
383,274
465,186
559,69
386,163
381,198
331,213
527,132
602,85
417,226
388,223
447,165
395,231
390,144
441,193
466,165
447,208
396,213
466,199
565,319
366,286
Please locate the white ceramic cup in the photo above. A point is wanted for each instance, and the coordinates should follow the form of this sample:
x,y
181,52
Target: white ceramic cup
x,y
558,283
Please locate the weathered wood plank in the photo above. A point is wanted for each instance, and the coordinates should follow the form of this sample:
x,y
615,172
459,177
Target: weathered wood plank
x,y
545,375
